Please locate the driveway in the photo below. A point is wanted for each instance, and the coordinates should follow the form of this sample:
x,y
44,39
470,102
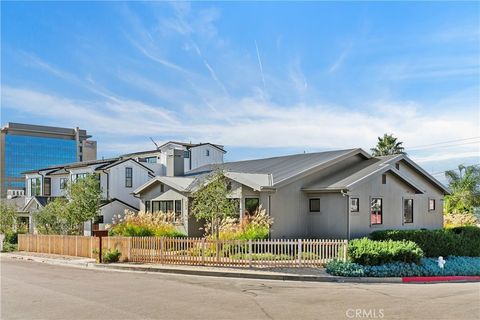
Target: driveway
x,y
32,290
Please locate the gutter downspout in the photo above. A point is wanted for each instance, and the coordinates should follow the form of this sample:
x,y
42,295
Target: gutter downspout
x,y
345,194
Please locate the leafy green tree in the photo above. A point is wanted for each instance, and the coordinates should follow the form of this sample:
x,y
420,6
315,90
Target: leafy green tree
x,y
52,219
211,202
387,145
66,215
84,197
465,186
8,216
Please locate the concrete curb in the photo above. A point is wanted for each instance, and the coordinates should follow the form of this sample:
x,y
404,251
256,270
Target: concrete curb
x,y
246,275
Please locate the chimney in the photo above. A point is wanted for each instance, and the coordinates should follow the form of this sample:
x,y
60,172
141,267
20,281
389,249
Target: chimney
x,y
175,165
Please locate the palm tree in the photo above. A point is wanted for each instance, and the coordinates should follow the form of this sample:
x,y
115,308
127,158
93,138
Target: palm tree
x,y
387,145
465,185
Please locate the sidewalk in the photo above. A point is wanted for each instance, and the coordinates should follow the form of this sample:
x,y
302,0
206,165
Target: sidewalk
x,y
284,274
50,258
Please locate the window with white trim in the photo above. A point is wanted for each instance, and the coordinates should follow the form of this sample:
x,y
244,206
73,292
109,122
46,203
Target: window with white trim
x,y
407,210
376,211
128,177
354,204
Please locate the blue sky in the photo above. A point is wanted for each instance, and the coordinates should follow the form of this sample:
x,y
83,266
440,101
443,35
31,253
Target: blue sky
x,y
262,79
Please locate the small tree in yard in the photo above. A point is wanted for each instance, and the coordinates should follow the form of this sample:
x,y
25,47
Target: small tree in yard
x,y
53,218
84,199
211,202
65,215
8,216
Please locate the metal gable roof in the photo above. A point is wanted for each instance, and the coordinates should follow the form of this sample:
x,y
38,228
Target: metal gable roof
x,y
280,168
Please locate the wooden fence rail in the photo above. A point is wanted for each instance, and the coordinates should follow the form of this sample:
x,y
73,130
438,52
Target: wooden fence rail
x,y
196,251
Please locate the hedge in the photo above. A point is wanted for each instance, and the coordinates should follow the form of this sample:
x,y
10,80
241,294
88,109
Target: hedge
x,y
455,266
459,241
368,252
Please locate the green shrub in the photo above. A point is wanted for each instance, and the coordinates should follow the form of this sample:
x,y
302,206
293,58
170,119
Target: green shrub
x,y
10,241
369,252
9,247
254,232
454,266
110,256
128,230
345,269
458,241
11,237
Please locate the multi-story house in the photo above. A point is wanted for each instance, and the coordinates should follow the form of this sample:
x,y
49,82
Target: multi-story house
x,y
118,177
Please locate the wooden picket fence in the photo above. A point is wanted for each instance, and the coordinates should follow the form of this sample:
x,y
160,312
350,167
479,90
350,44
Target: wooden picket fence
x,y
196,251
78,246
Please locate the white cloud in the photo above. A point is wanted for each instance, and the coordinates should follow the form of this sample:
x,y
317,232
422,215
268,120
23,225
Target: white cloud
x,y
252,122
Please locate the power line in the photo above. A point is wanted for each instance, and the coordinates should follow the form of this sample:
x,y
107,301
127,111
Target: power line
x,y
445,146
444,142
455,169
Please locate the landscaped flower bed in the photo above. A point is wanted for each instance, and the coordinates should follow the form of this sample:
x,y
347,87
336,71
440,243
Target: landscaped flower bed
x,y
455,266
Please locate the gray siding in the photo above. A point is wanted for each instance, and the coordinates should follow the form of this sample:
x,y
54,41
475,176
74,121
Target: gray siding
x,y
393,193
291,213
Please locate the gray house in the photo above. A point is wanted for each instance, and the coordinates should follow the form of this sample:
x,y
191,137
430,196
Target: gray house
x,y
333,194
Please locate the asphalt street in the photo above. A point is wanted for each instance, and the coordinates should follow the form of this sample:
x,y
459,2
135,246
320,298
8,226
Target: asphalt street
x,y
32,290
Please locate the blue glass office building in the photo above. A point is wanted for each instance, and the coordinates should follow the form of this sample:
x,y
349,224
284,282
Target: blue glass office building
x,y
29,147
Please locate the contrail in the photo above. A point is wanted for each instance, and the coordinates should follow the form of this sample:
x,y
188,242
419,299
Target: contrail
x,y
260,64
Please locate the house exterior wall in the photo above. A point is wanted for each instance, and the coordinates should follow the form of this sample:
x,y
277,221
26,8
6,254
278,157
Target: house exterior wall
x,y
393,194
112,209
331,221
117,188
199,158
290,207
55,184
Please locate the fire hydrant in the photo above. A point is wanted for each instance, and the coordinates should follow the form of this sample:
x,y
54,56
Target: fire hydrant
x,y
441,262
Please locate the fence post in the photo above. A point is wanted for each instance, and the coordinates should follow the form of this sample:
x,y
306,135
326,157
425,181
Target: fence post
x,y
217,249
49,244
162,249
203,251
91,247
76,246
250,253
38,243
28,243
129,248
152,249
299,252
345,246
